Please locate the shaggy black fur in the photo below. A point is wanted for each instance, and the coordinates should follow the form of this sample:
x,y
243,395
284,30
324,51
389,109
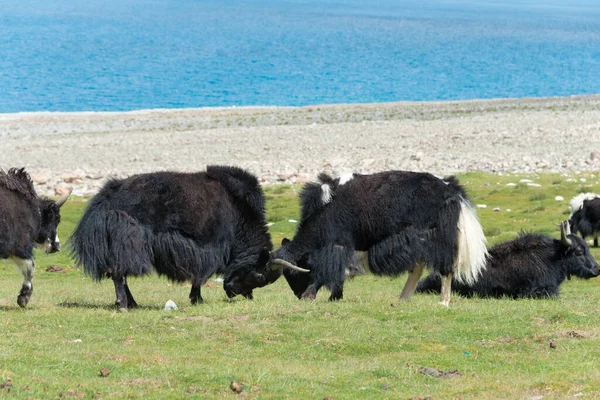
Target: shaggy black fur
x,y
187,226
398,217
25,219
586,220
533,265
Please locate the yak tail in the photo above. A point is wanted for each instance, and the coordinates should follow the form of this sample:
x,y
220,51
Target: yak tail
x,y
240,184
472,253
109,242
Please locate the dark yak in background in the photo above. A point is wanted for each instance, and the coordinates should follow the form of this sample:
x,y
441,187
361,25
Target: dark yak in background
x,y
533,265
187,226
585,215
404,220
26,220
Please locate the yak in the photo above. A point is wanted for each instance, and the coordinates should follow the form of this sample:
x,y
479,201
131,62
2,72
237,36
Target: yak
x,y
404,221
26,221
585,215
531,266
185,226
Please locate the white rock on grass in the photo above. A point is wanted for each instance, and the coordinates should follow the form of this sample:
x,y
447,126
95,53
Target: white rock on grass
x,y
170,305
559,198
525,181
534,184
481,205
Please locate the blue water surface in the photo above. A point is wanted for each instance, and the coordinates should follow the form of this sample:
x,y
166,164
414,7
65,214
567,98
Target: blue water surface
x,y
74,55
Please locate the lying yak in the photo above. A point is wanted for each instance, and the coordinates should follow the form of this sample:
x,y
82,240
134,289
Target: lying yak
x,y
404,220
532,265
585,215
186,226
26,221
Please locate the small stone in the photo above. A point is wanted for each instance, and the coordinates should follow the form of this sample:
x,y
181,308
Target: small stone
x,y
104,372
170,305
236,387
559,198
496,209
62,188
481,205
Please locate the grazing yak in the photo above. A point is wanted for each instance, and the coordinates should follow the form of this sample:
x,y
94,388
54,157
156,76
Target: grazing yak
x,y
403,220
532,265
186,226
26,221
585,215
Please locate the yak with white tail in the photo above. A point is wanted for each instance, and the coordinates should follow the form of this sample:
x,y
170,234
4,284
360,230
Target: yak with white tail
x,y
405,221
585,215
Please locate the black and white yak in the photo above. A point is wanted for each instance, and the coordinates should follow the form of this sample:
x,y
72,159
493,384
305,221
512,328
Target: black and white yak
x,y
585,215
404,220
26,221
533,265
185,226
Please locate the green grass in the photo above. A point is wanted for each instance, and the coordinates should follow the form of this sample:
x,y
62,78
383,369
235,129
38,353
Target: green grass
x,y
367,346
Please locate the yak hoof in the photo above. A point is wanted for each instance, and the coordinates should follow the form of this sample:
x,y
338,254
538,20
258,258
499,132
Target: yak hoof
x,y
308,296
196,300
445,303
22,300
122,309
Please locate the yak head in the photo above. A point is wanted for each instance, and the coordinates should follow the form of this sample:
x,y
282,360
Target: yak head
x,y
264,272
47,238
576,255
243,280
298,278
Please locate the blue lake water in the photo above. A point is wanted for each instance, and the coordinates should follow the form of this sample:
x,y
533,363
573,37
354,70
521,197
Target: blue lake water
x,y
74,55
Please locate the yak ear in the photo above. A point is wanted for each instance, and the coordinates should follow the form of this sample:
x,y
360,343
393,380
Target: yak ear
x,y
285,242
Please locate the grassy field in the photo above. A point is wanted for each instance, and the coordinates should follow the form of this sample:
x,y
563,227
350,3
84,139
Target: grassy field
x,y
367,346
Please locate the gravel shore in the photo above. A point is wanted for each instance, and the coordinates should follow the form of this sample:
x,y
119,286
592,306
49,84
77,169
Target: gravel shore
x,y
294,144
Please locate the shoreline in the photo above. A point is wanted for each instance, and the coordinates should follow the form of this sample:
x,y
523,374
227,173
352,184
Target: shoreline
x,y
294,144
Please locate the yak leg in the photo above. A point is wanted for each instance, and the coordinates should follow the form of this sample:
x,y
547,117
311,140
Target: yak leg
x,y
337,292
596,239
411,282
121,293
445,291
27,268
131,303
195,296
311,292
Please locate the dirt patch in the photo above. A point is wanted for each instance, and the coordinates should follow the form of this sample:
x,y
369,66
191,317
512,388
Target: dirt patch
x,y
439,373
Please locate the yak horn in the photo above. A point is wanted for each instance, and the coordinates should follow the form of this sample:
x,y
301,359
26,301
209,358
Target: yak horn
x,y
282,263
64,198
565,230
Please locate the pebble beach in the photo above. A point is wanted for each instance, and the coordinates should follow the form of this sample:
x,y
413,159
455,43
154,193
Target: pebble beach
x,y
293,144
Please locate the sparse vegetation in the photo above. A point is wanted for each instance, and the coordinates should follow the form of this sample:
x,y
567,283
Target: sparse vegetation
x,y
71,342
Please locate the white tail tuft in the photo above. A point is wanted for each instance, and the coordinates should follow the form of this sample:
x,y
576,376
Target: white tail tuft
x,y
472,252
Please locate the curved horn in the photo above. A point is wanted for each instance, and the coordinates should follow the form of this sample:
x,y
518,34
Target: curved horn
x,y
565,230
64,198
279,263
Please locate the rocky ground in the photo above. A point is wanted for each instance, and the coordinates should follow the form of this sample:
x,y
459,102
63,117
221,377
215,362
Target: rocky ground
x,y
286,144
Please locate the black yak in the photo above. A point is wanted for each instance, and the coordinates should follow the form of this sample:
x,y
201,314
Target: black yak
x,y
26,220
585,215
533,265
186,226
404,220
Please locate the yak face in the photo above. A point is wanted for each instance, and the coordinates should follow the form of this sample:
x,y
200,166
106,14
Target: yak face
x,y
298,281
243,280
47,238
578,260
